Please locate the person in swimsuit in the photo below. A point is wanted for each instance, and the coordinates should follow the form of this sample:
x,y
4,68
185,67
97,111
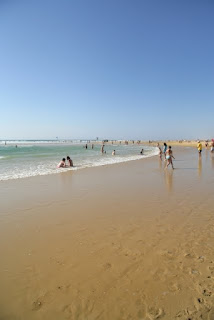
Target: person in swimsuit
x,y
62,164
164,149
70,162
141,151
113,153
169,157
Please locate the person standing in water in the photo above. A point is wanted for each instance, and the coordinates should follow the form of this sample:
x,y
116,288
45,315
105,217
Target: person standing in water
x,y
102,149
199,146
169,157
113,152
160,151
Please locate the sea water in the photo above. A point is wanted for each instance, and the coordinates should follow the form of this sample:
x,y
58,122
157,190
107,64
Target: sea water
x,y
22,159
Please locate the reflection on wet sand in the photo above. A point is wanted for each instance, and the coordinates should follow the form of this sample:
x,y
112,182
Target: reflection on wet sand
x,y
168,174
199,166
212,159
160,163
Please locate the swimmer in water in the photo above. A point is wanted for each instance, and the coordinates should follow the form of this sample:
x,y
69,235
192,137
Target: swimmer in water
x,y
113,152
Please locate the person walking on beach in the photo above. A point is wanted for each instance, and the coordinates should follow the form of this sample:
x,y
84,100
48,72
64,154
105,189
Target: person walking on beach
x,y
164,149
199,146
62,164
70,162
169,156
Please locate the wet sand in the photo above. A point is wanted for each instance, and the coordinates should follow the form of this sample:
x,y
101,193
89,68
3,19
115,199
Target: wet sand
x,y
126,241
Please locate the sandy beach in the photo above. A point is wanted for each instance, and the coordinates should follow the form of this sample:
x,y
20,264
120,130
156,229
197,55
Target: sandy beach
x,y
125,241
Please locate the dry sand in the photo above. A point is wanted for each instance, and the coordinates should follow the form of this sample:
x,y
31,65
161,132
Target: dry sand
x,y
126,241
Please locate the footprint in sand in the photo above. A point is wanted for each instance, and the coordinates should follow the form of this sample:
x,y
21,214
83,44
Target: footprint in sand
x,y
37,305
211,269
205,289
192,313
81,309
173,287
155,313
107,266
194,271
211,314
201,259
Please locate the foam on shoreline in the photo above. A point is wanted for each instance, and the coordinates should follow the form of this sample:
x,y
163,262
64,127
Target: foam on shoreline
x,y
48,168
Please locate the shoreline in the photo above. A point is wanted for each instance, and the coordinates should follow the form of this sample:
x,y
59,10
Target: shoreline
x,y
108,160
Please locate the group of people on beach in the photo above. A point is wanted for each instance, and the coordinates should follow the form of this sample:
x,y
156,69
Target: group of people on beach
x,y
63,163
168,154
199,146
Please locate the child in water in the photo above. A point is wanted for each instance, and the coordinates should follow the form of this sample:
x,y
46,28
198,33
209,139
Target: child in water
x,y
70,162
62,164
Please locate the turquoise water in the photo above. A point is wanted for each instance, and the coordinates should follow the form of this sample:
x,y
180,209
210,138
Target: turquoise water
x,y
32,158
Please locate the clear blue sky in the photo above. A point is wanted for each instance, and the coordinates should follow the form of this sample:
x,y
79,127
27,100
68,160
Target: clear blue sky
x,y
140,69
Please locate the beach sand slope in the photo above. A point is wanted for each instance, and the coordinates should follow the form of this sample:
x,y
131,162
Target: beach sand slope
x,y
127,241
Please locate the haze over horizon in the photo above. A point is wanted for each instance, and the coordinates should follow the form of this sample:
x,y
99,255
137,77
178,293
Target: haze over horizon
x,y
107,69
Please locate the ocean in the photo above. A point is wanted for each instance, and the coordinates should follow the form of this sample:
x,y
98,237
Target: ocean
x,y
40,157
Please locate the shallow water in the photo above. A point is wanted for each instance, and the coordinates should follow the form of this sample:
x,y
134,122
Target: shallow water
x,y
21,159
